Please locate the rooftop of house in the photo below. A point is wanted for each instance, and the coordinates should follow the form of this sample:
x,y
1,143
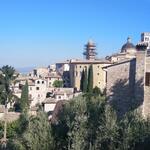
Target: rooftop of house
x,y
96,61
63,62
53,75
120,62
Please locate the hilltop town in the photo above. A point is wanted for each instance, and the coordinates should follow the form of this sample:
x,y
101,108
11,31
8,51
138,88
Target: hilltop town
x,y
126,71
109,88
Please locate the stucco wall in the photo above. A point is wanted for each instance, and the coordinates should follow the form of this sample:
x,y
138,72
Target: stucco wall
x,y
38,96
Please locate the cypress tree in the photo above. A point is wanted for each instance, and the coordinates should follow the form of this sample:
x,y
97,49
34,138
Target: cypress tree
x,y
85,81
90,80
82,80
24,101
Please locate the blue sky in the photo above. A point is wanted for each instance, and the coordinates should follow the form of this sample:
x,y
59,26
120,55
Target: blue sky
x,y
41,32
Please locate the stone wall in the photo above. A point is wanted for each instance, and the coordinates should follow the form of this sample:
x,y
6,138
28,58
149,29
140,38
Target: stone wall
x,y
120,85
140,73
126,88
146,104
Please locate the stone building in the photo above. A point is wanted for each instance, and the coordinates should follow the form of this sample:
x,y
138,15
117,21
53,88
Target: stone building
x,y
39,72
52,77
39,84
128,83
37,91
63,69
145,38
77,66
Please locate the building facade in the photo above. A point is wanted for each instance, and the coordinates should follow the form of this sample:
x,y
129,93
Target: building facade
x,y
99,75
77,66
130,88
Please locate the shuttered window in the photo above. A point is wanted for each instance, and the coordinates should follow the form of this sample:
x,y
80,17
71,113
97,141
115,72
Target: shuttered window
x,y
147,79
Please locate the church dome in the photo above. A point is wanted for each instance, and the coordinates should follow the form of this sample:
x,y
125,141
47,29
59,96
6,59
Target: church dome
x,y
127,45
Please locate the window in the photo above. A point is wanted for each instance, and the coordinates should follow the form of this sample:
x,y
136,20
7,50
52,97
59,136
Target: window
x,y
38,82
37,88
59,97
20,86
42,82
80,66
98,74
30,88
147,79
30,96
97,66
146,39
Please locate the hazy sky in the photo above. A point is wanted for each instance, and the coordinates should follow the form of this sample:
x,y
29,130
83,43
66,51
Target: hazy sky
x,y
40,32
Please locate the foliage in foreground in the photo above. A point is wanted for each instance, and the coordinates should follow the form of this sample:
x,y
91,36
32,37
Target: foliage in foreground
x,y
85,123
34,133
88,123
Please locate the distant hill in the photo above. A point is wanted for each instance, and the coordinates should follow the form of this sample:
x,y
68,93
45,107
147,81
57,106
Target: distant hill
x,y
25,70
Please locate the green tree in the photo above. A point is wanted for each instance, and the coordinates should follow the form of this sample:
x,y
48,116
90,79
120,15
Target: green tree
x,y
38,133
108,131
7,76
97,91
95,111
77,125
88,122
85,82
58,83
90,80
15,144
82,80
134,132
24,101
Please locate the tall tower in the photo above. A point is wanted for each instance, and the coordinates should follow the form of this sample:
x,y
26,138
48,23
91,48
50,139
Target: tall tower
x,y
90,50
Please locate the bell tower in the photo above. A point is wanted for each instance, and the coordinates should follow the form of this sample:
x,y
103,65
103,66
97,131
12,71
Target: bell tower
x,y
90,50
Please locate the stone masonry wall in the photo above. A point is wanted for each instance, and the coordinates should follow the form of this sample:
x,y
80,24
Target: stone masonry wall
x,y
146,104
140,73
120,86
